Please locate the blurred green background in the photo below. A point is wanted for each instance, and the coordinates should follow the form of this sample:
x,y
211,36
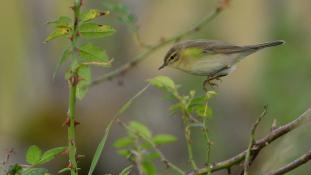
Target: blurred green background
x,y
33,106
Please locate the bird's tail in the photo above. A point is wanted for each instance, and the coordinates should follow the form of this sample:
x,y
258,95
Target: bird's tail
x,y
266,44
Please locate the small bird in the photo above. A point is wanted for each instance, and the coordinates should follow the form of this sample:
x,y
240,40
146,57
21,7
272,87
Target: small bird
x,y
211,58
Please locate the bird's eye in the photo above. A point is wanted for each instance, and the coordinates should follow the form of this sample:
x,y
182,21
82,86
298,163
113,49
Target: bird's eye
x,y
172,57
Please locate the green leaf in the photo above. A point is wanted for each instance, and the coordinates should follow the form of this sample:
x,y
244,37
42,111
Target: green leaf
x,y
140,128
152,156
127,170
204,111
100,148
62,21
15,169
163,139
92,30
51,154
90,52
123,142
124,152
163,82
35,171
67,52
89,15
148,168
58,32
85,77
33,155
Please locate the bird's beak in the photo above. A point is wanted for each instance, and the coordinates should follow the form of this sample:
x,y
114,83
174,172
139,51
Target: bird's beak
x,y
161,67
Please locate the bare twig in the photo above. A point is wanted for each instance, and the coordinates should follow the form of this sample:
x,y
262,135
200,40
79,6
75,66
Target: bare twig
x,y
259,144
294,164
248,159
140,57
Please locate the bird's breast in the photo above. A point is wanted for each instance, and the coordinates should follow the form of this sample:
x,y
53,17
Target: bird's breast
x,y
206,65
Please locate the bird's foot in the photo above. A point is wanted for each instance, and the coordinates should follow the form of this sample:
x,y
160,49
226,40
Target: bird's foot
x,y
210,81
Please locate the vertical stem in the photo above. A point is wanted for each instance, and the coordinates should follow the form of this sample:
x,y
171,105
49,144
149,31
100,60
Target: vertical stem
x,y
188,140
71,129
209,145
72,83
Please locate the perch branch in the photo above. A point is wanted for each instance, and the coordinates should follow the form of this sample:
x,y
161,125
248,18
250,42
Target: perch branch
x,y
259,144
294,164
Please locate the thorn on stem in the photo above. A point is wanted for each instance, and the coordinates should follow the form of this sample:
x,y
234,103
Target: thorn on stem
x,y
67,122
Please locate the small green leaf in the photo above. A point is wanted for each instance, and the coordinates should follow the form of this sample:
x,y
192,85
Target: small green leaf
x,y
63,21
127,170
140,128
123,142
90,52
15,169
89,15
51,154
163,139
148,168
33,155
62,60
124,152
163,82
152,156
58,32
85,77
92,30
210,94
204,111
35,171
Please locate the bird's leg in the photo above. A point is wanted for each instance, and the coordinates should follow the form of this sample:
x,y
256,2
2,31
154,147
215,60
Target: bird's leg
x,y
214,76
209,81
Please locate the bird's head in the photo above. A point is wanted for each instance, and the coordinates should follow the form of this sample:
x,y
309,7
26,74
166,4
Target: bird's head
x,y
171,57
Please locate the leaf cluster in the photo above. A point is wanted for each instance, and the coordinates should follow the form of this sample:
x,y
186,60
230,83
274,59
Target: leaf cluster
x,y
35,157
140,146
85,54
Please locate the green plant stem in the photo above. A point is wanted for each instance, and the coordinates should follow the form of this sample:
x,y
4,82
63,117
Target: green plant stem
x,y
151,49
248,161
208,142
72,150
187,132
72,83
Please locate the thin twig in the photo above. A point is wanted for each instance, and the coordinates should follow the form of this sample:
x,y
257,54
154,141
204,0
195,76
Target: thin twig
x,y
259,144
145,54
248,159
294,164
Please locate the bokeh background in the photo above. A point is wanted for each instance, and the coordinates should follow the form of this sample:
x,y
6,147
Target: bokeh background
x,y
33,106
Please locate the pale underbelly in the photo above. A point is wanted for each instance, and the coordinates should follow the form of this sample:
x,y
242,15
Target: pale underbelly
x,y
213,64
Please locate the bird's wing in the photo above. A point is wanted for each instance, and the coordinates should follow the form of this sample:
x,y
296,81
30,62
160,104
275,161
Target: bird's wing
x,y
216,47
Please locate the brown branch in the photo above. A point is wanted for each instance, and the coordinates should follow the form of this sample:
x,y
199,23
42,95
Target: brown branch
x,y
145,54
294,164
258,146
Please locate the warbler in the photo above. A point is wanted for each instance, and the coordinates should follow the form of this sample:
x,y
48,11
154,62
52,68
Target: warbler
x,y
211,58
